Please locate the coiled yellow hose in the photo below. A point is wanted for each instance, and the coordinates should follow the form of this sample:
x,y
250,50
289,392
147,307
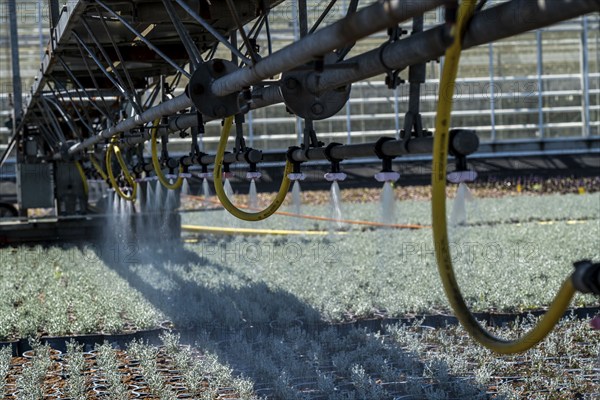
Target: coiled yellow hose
x,y
113,148
440,233
218,177
156,163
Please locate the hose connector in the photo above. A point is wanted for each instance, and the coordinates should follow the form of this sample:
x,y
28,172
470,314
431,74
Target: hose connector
x,y
586,277
335,174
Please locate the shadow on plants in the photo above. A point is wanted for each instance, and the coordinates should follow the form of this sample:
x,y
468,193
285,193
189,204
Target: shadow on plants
x,y
196,292
275,338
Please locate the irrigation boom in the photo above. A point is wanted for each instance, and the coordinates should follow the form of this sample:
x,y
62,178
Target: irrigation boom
x,y
116,75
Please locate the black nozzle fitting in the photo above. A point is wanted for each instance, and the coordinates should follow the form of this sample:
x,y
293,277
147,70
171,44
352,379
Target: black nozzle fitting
x,y
386,161
586,277
335,162
289,155
172,163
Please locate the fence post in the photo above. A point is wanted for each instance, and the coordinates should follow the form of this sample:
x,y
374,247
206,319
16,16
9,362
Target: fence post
x,y
540,82
585,79
492,92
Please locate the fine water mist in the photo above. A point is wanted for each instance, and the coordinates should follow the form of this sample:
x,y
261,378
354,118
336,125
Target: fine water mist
x,y
253,195
228,189
459,208
388,204
296,198
336,209
206,194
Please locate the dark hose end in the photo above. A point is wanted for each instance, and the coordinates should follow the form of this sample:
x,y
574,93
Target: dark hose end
x,y
253,156
586,277
463,142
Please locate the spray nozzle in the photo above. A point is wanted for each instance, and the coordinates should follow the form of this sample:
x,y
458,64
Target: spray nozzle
x,y
227,171
386,174
297,174
462,174
335,173
253,173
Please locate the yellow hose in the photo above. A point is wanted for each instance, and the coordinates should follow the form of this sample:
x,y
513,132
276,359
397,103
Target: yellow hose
x,y
218,177
113,148
219,230
440,233
98,168
157,166
84,181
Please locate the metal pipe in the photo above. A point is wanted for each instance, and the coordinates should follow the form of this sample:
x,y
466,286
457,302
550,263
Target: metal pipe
x,y
507,19
367,21
254,156
417,48
464,142
166,108
262,97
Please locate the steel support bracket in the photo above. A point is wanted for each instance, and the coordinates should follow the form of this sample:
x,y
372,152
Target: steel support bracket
x,y
309,105
199,90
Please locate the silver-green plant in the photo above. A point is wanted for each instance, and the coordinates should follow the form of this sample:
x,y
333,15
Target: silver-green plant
x,y
5,358
109,364
30,383
147,355
75,370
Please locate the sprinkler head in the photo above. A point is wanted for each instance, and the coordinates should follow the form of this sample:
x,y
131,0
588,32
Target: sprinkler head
x,y
384,176
205,175
297,176
335,176
253,175
462,176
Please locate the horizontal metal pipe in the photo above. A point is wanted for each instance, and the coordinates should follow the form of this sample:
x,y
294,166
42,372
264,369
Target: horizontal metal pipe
x,y
261,97
416,49
369,20
166,108
518,16
462,143
499,22
254,156
432,44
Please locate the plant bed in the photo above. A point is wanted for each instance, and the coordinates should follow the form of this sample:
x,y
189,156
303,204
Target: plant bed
x,y
113,373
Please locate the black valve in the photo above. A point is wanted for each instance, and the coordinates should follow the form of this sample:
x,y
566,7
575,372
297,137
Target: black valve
x,y
586,277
